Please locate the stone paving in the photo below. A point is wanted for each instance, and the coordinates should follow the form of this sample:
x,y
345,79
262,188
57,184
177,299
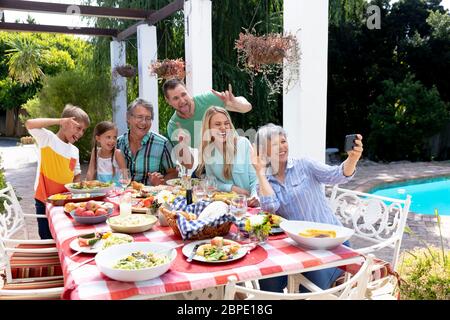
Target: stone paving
x,y
20,163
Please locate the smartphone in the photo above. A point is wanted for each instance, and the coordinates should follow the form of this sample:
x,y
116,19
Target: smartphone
x,y
350,142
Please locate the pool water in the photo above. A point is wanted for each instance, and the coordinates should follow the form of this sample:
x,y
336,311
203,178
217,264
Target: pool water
x,y
426,195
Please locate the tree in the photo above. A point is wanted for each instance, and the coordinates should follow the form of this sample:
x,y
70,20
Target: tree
x,y
92,92
25,59
403,118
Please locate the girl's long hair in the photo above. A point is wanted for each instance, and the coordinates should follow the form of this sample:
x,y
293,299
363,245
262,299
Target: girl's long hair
x,y
100,129
207,143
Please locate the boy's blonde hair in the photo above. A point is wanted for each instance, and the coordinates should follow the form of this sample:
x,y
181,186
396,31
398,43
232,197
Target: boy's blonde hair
x,y
74,111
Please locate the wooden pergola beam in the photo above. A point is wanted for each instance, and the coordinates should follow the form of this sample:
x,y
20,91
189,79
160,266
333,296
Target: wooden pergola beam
x,y
60,8
159,15
25,27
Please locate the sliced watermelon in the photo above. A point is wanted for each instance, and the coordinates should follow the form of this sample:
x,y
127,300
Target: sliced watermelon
x,y
89,239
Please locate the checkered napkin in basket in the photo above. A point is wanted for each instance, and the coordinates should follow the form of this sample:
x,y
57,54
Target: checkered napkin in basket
x,y
189,228
180,204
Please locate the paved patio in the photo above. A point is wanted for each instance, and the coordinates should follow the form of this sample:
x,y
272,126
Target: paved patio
x,y
20,163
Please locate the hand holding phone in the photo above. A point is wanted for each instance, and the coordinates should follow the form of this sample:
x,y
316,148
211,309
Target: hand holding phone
x,y
350,142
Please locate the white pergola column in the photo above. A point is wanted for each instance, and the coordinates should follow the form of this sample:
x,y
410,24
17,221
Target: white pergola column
x,y
147,54
118,58
305,105
198,45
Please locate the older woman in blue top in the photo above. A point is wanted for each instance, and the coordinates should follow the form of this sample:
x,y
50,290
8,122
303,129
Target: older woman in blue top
x,y
293,188
226,156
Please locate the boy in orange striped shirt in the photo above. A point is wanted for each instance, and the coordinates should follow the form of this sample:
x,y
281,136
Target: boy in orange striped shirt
x,y
58,162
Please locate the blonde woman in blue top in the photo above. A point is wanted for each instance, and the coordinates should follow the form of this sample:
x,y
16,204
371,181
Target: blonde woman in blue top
x,y
226,156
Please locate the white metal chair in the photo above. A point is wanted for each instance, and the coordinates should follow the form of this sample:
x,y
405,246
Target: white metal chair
x,y
377,220
353,289
32,268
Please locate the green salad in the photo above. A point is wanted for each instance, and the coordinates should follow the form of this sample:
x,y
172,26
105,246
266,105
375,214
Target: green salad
x,y
214,254
139,260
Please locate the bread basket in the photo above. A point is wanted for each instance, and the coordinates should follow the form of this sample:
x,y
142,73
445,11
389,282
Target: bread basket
x,y
207,232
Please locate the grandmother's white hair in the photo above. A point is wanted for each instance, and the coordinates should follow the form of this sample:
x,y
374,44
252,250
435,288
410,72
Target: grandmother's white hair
x,y
265,135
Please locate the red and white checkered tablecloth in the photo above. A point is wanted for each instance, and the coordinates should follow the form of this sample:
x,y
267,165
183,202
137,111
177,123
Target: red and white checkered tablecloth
x,y
86,282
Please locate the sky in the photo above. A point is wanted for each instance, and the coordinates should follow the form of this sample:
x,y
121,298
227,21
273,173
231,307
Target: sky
x,y
48,19
63,20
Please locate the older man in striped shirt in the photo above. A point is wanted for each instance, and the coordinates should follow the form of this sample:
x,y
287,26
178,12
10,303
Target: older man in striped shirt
x,y
293,188
148,154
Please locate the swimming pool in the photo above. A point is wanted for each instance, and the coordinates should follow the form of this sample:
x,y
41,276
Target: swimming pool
x,y
426,194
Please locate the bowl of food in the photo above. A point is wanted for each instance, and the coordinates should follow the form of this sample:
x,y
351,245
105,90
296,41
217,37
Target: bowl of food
x,y
132,223
313,235
89,186
92,212
136,261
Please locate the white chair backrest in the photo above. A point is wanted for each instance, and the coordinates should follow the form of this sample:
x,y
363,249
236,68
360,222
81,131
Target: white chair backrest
x,y
353,289
377,219
12,219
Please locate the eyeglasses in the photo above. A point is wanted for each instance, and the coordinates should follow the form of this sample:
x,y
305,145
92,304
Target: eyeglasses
x,y
142,118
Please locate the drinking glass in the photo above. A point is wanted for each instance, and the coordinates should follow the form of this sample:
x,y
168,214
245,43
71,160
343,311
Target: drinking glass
x,y
199,191
125,204
210,186
124,178
238,208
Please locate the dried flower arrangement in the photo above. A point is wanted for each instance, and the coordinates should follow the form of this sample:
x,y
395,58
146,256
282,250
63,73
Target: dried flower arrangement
x,y
265,55
168,69
126,70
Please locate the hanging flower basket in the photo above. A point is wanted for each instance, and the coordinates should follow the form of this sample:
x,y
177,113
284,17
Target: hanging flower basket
x,y
265,55
127,71
168,69
267,49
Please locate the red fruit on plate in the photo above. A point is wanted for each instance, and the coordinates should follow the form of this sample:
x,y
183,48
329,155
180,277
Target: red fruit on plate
x,y
79,211
91,205
148,202
101,212
88,213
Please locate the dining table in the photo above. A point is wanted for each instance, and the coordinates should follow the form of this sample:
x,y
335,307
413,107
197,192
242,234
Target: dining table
x,y
279,255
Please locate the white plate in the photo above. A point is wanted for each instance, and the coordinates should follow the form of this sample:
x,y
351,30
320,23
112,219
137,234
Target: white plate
x,y
74,245
96,248
177,182
292,229
107,258
187,250
276,230
93,190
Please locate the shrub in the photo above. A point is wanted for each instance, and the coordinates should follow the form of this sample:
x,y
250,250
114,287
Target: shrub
x,y
425,274
93,93
2,176
403,118
2,185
